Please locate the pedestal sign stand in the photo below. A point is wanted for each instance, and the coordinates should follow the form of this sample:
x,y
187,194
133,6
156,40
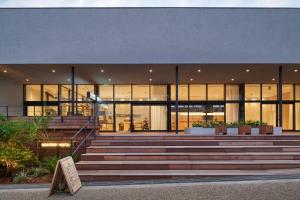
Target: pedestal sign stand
x,y
65,177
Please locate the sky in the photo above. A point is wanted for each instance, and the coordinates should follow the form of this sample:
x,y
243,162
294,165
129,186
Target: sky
x,y
149,3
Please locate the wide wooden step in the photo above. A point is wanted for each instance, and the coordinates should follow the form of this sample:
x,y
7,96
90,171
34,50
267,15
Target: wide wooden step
x,y
161,149
117,175
196,142
188,165
190,156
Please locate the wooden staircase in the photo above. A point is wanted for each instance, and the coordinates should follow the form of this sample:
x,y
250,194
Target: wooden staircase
x,y
182,156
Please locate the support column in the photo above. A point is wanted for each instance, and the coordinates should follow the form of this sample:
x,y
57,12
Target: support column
x,y
280,94
73,90
176,104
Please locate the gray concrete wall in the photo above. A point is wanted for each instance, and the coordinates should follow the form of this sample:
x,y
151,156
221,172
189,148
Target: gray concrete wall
x,y
11,94
149,35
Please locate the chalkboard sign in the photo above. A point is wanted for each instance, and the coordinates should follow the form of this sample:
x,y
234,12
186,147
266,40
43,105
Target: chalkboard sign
x,y
65,177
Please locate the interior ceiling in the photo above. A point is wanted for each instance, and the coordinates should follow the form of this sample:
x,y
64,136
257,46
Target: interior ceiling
x,y
161,74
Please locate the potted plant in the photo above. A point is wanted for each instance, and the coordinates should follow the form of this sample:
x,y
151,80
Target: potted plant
x,y
244,128
265,129
232,128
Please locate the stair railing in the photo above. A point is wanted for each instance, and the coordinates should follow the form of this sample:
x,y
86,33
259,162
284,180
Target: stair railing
x,y
74,148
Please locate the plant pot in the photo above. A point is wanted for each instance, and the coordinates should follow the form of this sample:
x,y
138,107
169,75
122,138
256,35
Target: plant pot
x,y
277,131
255,131
200,131
265,129
232,131
221,130
244,130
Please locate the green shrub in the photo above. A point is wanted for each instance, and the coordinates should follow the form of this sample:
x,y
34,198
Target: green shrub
x,y
50,163
209,124
21,177
38,171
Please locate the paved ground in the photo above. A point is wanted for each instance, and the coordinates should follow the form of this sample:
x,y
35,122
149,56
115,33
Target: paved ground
x,y
279,189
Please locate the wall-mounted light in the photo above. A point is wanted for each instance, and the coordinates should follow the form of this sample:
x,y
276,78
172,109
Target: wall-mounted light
x,y
55,144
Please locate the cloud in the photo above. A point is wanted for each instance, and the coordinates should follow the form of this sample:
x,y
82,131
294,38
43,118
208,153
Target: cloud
x,y
149,3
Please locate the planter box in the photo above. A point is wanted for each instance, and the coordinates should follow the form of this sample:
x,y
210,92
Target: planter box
x,y
244,129
200,131
232,131
221,130
277,131
255,131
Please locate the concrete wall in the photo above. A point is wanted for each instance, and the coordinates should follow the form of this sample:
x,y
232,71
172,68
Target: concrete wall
x,y
149,35
11,94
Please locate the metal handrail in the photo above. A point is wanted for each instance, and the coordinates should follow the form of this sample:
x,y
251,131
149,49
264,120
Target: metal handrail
x,y
86,136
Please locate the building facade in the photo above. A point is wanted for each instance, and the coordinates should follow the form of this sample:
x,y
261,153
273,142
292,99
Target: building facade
x,y
154,69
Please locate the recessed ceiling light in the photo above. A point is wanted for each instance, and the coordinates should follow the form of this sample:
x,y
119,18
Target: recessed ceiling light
x,y
53,70
199,70
273,79
191,79
102,70
27,80
232,79
247,70
150,70
150,79
109,79
295,70
5,71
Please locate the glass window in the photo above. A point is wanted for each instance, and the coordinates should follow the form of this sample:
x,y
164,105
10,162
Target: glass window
x,y
106,92
158,92
198,92
297,121
215,113
197,113
140,92
182,117
287,92
158,118
287,116
297,90
106,117
66,93
141,118
182,92
83,90
252,92
269,114
252,111
34,110
33,92
50,93
215,92
85,109
66,109
122,92
232,112
269,92
232,92
123,117
50,111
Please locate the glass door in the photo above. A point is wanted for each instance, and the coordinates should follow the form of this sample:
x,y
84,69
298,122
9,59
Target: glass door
x,y
122,117
269,114
215,112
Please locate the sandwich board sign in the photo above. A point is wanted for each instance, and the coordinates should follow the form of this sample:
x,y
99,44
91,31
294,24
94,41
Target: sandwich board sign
x,y
65,177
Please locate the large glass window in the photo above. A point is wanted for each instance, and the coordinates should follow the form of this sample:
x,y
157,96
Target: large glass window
x,y
287,116
122,117
297,90
232,92
106,117
50,110
34,110
50,92
83,90
140,92
252,92
287,92
232,112
252,111
182,92
122,92
158,118
182,117
297,120
106,92
158,92
66,93
198,92
269,114
66,109
197,113
33,92
215,92
141,118
269,92
215,113
85,109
